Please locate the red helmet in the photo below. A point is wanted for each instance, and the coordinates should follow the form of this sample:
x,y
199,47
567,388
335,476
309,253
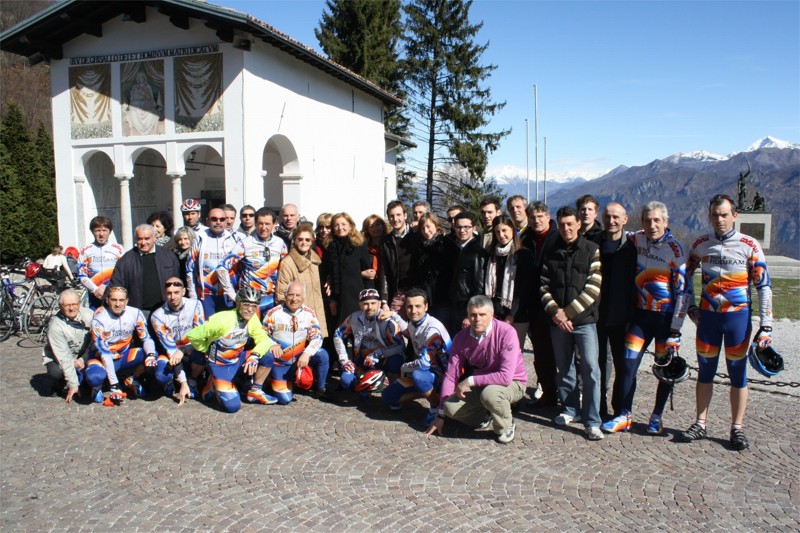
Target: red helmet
x,y
372,380
190,204
304,378
72,252
32,269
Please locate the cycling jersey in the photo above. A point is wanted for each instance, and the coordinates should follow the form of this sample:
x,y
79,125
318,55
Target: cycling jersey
x,y
296,333
729,263
224,335
380,338
661,282
258,262
96,263
203,265
430,341
172,326
113,334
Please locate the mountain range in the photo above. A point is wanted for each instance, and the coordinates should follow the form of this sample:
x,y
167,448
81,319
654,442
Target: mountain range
x,y
686,181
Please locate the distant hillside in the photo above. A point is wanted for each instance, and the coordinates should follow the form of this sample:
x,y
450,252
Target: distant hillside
x,y
685,182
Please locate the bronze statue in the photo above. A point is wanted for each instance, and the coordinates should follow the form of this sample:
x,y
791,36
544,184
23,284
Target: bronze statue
x,y
742,188
759,203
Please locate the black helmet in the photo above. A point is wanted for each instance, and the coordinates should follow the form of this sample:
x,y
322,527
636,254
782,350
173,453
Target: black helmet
x,y
765,361
671,369
248,295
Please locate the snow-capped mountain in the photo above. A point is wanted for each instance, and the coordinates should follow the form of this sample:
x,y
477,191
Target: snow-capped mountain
x,y
512,174
769,142
698,156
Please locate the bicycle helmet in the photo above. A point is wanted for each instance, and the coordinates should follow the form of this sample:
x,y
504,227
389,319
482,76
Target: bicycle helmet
x,y
248,295
32,270
372,380
671,369
304,378
765,361
190,204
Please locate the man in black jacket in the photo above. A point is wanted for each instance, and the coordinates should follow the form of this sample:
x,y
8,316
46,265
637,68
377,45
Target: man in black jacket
x,y
617,301
397,249
143,270
571,280
541,235
588,208
467,280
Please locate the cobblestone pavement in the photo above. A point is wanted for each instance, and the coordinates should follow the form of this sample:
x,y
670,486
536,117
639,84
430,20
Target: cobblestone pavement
x,y
151,466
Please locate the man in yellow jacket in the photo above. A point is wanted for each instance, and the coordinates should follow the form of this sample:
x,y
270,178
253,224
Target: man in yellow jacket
x,y
224,339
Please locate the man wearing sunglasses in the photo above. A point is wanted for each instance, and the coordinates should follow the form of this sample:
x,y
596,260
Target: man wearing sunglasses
x,y
206,277
247,221
298,344
224,338
171,322
256,258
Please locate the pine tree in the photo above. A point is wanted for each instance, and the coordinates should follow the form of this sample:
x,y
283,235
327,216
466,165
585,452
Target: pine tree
x,y
43,200
27,191
450,103
364,36
17,164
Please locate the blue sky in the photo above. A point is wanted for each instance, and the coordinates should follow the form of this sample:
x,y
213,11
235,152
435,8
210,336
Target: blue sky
x,y
622,82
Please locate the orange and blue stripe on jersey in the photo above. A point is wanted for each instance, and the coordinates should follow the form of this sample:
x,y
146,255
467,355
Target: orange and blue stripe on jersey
x,y
728,265
661,281
113,334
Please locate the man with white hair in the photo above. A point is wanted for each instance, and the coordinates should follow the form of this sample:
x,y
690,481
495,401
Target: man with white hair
x,y
298,344
290,218
69,338
485,376
144,269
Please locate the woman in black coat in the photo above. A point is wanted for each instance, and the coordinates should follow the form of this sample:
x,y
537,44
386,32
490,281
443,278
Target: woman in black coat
x,y
432,266
349,266
508,276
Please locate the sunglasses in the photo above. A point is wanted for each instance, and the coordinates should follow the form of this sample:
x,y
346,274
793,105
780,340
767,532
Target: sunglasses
x,y
217,219
247,215
173,284
304,239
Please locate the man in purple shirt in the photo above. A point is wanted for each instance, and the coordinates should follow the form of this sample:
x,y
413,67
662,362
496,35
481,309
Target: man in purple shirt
x,y
486,374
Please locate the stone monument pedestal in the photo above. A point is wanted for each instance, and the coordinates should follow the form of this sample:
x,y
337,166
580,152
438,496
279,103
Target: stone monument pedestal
x,y
758,225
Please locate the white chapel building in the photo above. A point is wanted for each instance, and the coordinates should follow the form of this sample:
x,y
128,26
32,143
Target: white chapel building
x,y
157,101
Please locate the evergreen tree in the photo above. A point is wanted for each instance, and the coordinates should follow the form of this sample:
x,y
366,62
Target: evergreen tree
x,y
43,200
16,165
364,36
450,103
27,193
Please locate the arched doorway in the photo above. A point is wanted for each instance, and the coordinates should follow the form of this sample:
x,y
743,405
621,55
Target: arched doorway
x,y
101,197
150,187
205,177
281,173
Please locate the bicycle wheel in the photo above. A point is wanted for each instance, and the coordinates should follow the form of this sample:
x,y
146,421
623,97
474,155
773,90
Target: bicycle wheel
x,y
6,319
38,318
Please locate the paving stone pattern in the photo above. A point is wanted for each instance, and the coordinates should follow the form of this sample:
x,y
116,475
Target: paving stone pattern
x,y
151,466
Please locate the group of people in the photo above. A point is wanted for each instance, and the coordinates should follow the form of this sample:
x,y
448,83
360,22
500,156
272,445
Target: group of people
x,y
415,307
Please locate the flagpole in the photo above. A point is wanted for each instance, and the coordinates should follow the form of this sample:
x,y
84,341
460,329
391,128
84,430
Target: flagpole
x,y
527,164
536,135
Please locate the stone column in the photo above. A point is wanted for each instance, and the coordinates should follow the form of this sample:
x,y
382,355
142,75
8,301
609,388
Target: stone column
x,y
125,210
80,213
177,200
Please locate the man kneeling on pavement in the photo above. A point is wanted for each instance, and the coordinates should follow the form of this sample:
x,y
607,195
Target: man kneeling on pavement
x,y
486,374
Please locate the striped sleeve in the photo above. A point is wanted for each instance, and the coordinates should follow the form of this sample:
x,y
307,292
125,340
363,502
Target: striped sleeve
x,y
590,292
549,304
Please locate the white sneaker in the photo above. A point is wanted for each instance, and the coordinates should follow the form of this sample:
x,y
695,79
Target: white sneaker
x,y
594,433
564,419
508,435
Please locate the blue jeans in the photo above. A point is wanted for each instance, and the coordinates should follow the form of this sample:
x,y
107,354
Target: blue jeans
x,y
585,339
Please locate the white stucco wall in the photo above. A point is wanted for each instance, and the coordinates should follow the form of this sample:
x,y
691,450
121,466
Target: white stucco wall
x,y
323,138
